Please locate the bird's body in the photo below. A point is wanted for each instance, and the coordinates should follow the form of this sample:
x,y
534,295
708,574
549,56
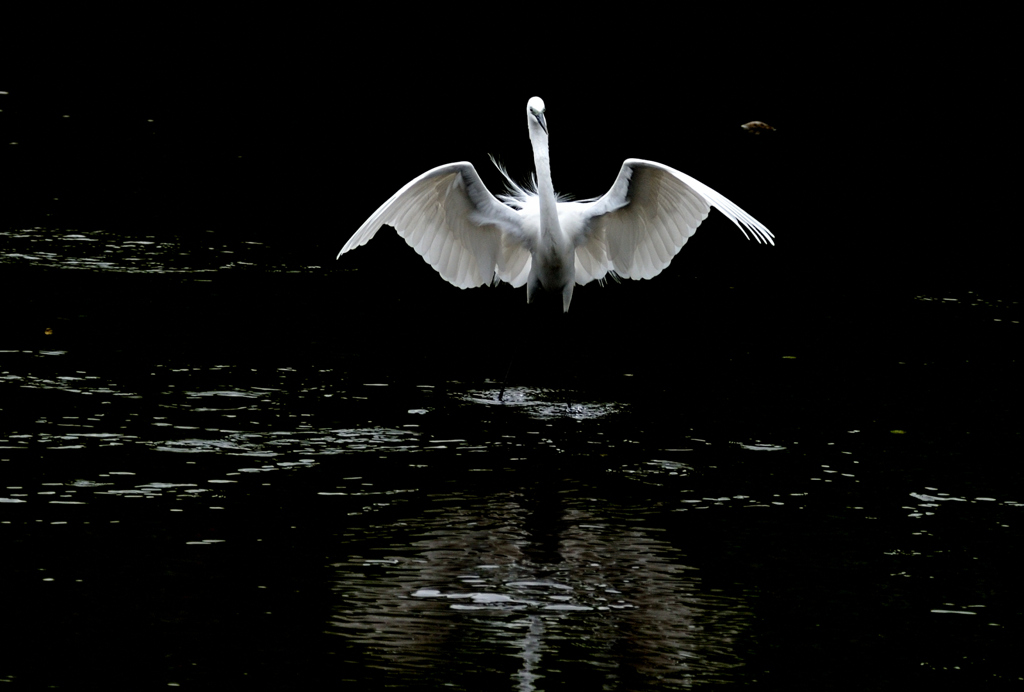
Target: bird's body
x,y
473,238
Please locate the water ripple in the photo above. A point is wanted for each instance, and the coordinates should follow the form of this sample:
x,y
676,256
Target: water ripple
x,y
104,251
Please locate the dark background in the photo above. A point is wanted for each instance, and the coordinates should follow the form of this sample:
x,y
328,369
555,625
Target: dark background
x,y
883,181
884,170
890,176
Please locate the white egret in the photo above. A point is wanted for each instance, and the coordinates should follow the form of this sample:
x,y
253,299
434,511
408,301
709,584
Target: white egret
x,y
536,238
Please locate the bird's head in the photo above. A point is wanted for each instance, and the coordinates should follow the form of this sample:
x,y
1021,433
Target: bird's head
x,y
535,114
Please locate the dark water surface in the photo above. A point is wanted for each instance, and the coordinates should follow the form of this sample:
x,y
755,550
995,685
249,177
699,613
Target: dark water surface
x,y
217,472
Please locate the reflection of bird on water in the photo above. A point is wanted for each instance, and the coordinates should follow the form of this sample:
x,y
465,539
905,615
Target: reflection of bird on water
x,y
532,236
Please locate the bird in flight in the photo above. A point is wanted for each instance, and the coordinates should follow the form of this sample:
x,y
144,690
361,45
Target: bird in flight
x,y
533,236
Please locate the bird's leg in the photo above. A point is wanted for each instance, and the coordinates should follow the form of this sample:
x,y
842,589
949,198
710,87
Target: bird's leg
x,y
504,381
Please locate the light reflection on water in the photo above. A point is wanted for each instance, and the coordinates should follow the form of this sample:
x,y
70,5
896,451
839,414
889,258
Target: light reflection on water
x,y
220,418
104,251
629,541
475,580
544,404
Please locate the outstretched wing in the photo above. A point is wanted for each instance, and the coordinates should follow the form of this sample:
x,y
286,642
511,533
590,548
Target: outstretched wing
x,y
451,219
647,216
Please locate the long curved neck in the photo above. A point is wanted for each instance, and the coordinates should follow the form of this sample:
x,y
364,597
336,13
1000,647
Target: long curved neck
x,y
551,232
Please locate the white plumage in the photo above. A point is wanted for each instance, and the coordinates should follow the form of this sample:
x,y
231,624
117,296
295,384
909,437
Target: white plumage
x,y
473,238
